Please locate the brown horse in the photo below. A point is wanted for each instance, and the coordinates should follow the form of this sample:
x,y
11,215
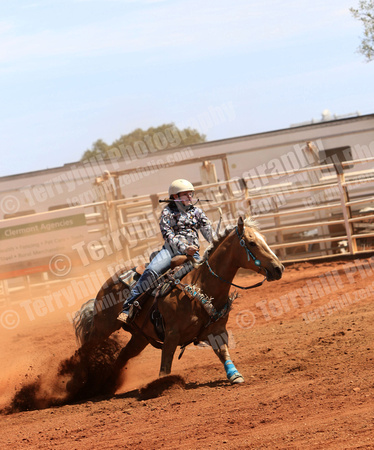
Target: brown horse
x,y
195,310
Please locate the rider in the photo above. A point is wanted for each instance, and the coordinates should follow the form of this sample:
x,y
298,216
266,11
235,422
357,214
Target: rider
x,y
179,223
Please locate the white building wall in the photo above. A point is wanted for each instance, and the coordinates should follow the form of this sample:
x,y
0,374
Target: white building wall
x,y
73,183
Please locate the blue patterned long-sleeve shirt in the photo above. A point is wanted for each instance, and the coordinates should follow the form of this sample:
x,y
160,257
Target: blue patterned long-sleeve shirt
x,y
179,228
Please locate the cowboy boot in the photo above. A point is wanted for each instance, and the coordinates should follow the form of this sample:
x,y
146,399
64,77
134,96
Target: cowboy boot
x,y
145,282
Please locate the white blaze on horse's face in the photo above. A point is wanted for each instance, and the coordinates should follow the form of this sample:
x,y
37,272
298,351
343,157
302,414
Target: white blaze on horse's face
x,y
269,260
261,238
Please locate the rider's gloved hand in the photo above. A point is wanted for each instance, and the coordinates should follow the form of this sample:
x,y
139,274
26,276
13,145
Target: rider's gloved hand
x,y
191,250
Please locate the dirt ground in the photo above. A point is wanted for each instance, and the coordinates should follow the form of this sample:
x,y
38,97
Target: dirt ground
x,y
304,345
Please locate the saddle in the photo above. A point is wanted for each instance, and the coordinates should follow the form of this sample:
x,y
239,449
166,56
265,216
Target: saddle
x,y
130,277
180,266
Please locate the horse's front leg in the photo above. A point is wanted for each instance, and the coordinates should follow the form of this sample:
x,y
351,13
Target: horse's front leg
x,y
168,349
221,350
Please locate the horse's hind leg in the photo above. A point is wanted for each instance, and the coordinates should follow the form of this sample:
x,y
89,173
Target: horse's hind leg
x,y
221,350
136,345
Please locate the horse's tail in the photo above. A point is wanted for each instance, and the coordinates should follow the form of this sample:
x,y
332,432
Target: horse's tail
x,y
84,322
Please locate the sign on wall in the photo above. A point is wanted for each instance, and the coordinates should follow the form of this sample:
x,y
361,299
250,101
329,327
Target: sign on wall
x,y
28,243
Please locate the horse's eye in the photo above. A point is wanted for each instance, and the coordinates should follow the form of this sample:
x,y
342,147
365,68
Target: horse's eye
x,y
252,244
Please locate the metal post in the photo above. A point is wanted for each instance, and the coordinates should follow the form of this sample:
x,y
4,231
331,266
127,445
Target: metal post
x,y
347,213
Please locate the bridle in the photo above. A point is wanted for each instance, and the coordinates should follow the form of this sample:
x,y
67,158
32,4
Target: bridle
x,y
249,256
249,253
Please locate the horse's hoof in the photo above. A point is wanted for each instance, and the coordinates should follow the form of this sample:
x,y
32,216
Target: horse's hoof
x,y
236,378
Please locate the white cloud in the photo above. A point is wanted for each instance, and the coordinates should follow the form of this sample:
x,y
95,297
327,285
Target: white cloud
x,y
5,26
192,27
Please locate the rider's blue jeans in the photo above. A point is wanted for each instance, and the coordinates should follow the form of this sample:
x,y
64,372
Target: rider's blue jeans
x,y
161,262
159,265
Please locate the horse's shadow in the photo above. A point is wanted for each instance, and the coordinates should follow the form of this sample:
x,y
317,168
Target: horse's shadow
x,y
155,388
166,384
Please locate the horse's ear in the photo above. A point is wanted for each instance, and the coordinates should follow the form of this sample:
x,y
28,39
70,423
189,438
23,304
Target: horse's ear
x,y
240,225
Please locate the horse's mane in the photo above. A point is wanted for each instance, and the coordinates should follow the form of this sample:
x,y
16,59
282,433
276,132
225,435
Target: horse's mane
x,y
252,223
248,222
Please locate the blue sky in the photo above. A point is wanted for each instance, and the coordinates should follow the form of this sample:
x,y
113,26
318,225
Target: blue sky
x,y
74,71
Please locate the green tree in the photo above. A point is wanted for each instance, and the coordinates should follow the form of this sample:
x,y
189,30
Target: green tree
x,y
99,148
167,136
365,13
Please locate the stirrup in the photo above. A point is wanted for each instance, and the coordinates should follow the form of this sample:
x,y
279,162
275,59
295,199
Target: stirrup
x,y
133,311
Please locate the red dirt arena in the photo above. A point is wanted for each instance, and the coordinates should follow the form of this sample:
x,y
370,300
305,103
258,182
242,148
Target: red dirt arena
x,y
304,344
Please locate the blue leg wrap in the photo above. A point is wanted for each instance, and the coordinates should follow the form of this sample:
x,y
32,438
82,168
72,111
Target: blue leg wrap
x,y
230,368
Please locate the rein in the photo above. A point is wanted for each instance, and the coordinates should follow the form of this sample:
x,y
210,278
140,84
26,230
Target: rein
x,y
249,256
